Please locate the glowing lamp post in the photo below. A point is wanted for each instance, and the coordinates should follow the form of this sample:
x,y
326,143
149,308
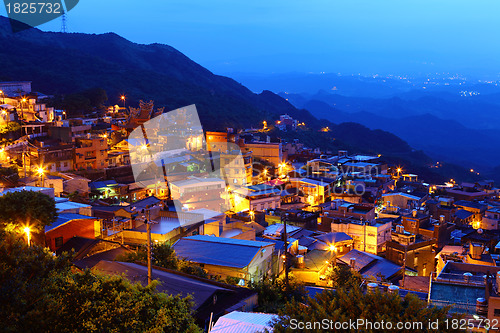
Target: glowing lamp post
x,y
22,107
122,97
41,173
27,231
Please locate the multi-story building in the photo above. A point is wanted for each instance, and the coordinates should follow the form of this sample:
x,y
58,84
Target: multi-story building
x,y
255,198
267,151
195,193
91,153
490,219
238,170
217,142
368,236
419,222
412,251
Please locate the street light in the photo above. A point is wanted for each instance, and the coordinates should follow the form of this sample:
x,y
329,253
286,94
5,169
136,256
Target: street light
x,y
3,96
122,97
41,173
252,215
27,231
149,245
22,107
284,219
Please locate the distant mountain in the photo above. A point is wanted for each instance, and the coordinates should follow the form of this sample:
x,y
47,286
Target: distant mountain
x,y
479,112
443,139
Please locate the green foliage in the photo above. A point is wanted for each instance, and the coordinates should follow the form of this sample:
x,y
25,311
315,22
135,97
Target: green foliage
x,y
27,208
343,305
11,126
9,172
232,280
40,293
163,255
97,97
192,269
273,293
342,276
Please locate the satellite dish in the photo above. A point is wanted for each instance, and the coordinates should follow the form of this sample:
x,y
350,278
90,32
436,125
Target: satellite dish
x,y
479,231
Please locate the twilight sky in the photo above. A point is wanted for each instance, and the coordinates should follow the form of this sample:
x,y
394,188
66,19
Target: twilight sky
x,y
349,36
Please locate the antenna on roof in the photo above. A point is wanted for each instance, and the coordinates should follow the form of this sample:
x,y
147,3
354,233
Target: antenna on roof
x,y
64,27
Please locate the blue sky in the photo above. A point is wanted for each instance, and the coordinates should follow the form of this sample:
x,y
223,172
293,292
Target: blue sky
x,y
350,36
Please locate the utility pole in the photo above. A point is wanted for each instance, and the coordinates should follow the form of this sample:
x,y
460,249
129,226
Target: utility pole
x,y
284,220
148,231
148,228
404,268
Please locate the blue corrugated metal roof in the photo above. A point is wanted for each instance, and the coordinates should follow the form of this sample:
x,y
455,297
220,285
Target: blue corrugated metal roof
x,y
64,218
334,237
103,184
211,250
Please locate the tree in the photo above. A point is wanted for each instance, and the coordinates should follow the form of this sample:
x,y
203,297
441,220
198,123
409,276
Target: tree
x,y
27,208
10,173
41,293
342,276
344,305
11,126
163,255
97,97
273,293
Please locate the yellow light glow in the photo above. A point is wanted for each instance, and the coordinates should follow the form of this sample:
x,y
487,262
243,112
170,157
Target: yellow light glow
x,y
122,97
40,171
333,248
471,170
27,231
265,171
24,100
144,147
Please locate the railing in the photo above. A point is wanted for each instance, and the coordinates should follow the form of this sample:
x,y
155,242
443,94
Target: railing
x,y
464,307
461,279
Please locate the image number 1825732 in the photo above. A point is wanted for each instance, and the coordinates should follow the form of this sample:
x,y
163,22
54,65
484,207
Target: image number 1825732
x,y
26,14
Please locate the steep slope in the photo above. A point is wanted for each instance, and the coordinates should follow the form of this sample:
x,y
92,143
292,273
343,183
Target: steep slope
x,y
67,63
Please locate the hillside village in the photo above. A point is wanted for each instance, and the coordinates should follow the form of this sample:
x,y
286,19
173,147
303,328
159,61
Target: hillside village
x,y
243,206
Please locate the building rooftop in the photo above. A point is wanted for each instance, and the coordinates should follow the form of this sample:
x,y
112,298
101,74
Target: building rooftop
x,y
65,218
334,237
219,251
171,283
244,322
470,204
368,264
